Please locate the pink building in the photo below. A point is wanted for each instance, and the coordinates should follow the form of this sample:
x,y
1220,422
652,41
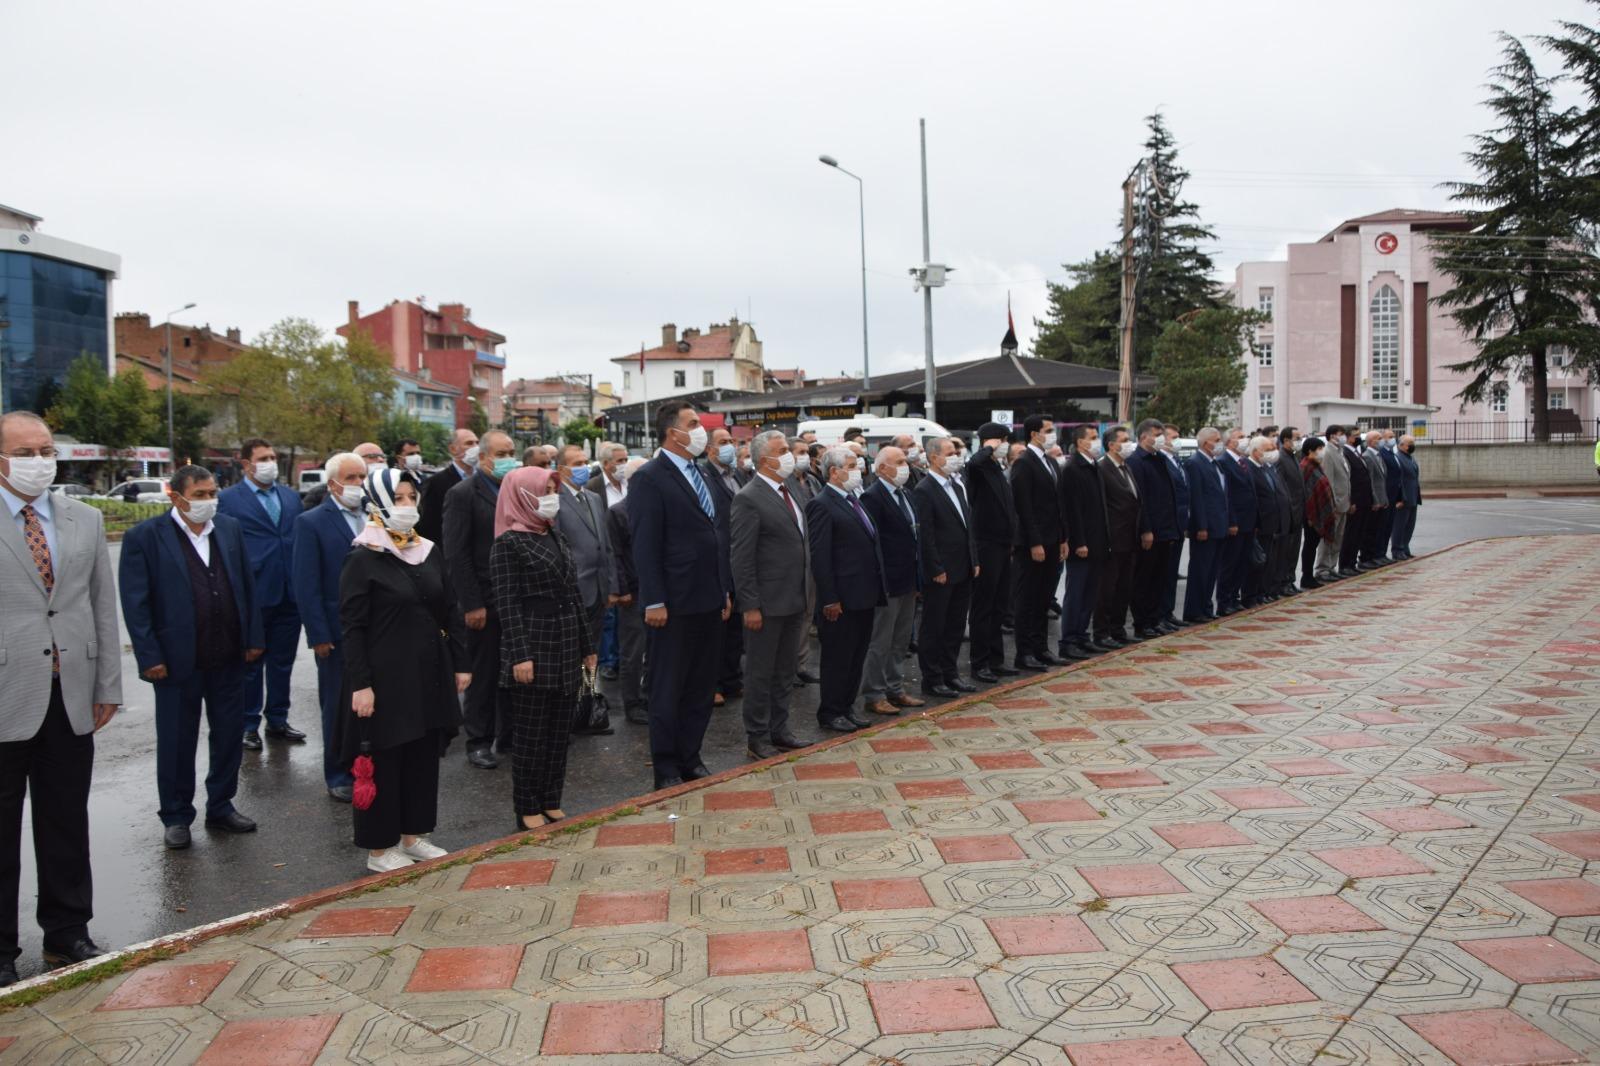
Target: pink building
x,y
1353,337
444,346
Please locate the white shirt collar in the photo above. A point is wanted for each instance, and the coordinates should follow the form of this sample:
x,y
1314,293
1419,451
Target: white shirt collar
x,y
943,481
205,531
777,486
41,505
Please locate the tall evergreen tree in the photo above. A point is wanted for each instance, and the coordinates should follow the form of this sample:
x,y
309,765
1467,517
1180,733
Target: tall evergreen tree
x,y
1525,277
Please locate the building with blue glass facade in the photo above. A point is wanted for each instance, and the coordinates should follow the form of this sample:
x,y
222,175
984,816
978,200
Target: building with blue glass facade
x,y
55,305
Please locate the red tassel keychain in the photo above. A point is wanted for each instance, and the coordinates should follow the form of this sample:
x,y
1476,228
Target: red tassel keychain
x,y
365,789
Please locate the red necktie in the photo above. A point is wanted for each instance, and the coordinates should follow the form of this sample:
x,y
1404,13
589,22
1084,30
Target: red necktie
x,y
790,501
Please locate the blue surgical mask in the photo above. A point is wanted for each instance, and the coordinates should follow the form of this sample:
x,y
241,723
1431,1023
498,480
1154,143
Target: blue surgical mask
x,y
502,467
727,454
579,476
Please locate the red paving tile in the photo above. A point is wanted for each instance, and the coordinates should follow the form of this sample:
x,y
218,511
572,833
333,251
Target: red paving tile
x,y
1591,800
1268,708
827,823
1171,695
995,847
167,986
1414,819
1179,751
357,921
1005,760
1564,897
628,1027
631,836
462,969
1066,735
1230,984
881,894
747,861
900,745
923,790
270,1041
783,951
621,908
1122,778
1348,741
1453,784
1043,934
515,873
1583,843
941,1005
826,771
739,801
1254,799
1117,714
1064,687
1505,730
1491,1037
1530,710
1307,767
983,721
1315,914
1059,810
1480,753
1533,960
1131,879
1223,729
1141,1051
1186,835
1377,861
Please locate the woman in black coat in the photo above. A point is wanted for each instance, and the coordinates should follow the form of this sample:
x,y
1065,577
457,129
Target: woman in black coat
x,y
403,668
544,638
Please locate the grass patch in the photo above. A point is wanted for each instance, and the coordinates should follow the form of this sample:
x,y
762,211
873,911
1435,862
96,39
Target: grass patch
x,y
121,516
93,975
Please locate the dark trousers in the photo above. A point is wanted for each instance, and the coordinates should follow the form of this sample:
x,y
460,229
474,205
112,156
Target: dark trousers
x,y
1405,524
486,713
630,666
1235,568
944,620
1150,584
1205,558
1258,576
844,644
1013,577
407,779
541,721
1308,554
1355,532
730,671
1170,593
683,679
1289,551
1373,541
1077,605
282,627
1036,588
990,592
610,646
178,706
330,676
1116,592
54,766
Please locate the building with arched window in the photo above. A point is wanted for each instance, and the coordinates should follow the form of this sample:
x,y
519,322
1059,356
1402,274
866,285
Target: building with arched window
x,y
1354,337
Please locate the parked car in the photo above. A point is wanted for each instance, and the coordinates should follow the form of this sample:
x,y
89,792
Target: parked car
x,y
309,479
878,429
67,488
141,490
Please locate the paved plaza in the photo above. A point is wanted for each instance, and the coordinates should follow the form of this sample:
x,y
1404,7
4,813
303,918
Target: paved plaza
x,y
1354,829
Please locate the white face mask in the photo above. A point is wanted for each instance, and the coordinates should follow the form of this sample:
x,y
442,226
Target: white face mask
x,y
913,454
1272,456
549,507
266,473
902,474
697,441
351,495
200,511
1240,447
852,481
1049,441
1127,448
1096,449
401,519
802,463
32,475
953,464
621,473
414,462
469,458
785,465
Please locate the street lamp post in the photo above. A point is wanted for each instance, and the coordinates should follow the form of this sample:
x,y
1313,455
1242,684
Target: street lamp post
x,y
172,446
861,205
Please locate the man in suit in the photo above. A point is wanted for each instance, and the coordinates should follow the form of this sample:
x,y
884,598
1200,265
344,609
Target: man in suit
x,y
630,613
1208,525
582,520
1041,542
1374,536
322,538
468,536
889,504
684,582
1359,514
1159,493
1234,567
913,456
1167,445
804,487
1294,486
1337,469
463,449
1127,536
720,468
611,486
994,523
1272,519
1392,494
188,602
847,565
1409,477
1083,504
949,552
265,511
770,561
61,681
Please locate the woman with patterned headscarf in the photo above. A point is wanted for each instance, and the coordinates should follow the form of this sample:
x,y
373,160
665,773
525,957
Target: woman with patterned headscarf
x,y
404,663
544,638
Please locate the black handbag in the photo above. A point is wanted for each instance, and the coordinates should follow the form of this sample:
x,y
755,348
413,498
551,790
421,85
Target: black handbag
x,y
594,710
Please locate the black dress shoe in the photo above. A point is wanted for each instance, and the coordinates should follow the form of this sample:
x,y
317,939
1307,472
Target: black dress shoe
x,y
232,822
79,950
341,793
1106,644
986,675
1074,653
608,673
1166,627
637,713
252,740
286,732
1175,623
861,719
1307,583
1148,634
787,742
176,837
696,772
1005,671
8,974
803,677
1029,664
667,782
759,749
482,758
961,684
941,691
838,724
1349,571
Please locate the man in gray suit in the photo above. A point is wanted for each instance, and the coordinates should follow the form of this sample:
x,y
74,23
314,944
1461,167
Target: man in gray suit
x,y
803,488
1335,466
1375,541
582,520
60,680
771,563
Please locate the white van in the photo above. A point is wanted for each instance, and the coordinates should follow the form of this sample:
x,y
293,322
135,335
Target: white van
x,y
879,430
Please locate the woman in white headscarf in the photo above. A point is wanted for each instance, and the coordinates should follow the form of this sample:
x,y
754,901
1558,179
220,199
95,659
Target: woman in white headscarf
x,y
404,663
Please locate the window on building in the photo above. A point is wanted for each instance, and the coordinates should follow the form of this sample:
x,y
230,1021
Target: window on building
x,y
1499,398
627,379
1264,301
1264,403
680,378
708,378
1560,357
1264,352
1557,399
1384,314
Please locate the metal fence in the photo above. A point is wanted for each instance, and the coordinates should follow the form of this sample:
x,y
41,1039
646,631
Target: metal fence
x,y
1503,431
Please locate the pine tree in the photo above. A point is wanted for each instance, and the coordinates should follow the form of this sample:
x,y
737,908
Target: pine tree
x,y
1525,277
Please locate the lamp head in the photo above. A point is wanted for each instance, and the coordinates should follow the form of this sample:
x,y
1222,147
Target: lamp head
x,y
827,160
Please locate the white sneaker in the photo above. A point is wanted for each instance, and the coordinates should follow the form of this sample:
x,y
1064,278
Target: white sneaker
x,y
422,850
388,861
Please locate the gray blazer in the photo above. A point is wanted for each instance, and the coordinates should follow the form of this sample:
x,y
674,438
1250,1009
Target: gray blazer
x,y
1335,464
582,520
79,617
770,556
1380,476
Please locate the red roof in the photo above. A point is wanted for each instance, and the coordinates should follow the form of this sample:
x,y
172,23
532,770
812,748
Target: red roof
x,y
1413,217
715,344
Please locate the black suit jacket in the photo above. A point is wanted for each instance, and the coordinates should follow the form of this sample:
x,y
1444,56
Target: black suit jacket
x,y
1125,519
621,538
1360,478
1083,503
994,515
1036,491
430,523
468,536
845,559
948,544
897,539
680,558
1272,506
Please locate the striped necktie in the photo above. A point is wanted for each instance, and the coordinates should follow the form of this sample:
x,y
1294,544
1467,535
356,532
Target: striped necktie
x,y
700,491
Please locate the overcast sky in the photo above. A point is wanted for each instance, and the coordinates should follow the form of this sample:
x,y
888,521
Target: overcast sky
x,y
579,174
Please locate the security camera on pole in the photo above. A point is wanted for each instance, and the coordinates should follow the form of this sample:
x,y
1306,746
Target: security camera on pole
x,y
927,277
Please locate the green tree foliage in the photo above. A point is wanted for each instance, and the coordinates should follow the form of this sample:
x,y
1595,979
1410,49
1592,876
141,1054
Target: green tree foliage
x,y
1525,275
1080,325
478,420
93,408
401,425
581,431
1198,363
190,417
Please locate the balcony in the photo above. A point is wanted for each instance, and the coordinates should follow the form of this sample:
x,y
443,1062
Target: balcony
x,y
482,358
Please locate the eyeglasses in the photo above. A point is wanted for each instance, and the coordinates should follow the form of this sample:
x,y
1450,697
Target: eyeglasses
x,y
29,453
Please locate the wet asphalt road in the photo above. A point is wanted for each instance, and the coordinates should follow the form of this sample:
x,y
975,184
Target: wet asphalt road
x,y
304,843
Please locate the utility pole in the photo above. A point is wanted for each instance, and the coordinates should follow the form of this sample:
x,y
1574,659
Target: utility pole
x,y
1125,325
927,290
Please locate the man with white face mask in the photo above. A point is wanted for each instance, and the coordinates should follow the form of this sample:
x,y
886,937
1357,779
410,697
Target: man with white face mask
x,y
55,689
323,536
994,525
188,602
1208,525
848,570
265,511
463,449
888,504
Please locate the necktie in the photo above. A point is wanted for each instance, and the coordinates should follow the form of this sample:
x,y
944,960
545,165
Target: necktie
x,y
1123,470
270,503
961,498
701,492
793,510
865,521
905,509
33,534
